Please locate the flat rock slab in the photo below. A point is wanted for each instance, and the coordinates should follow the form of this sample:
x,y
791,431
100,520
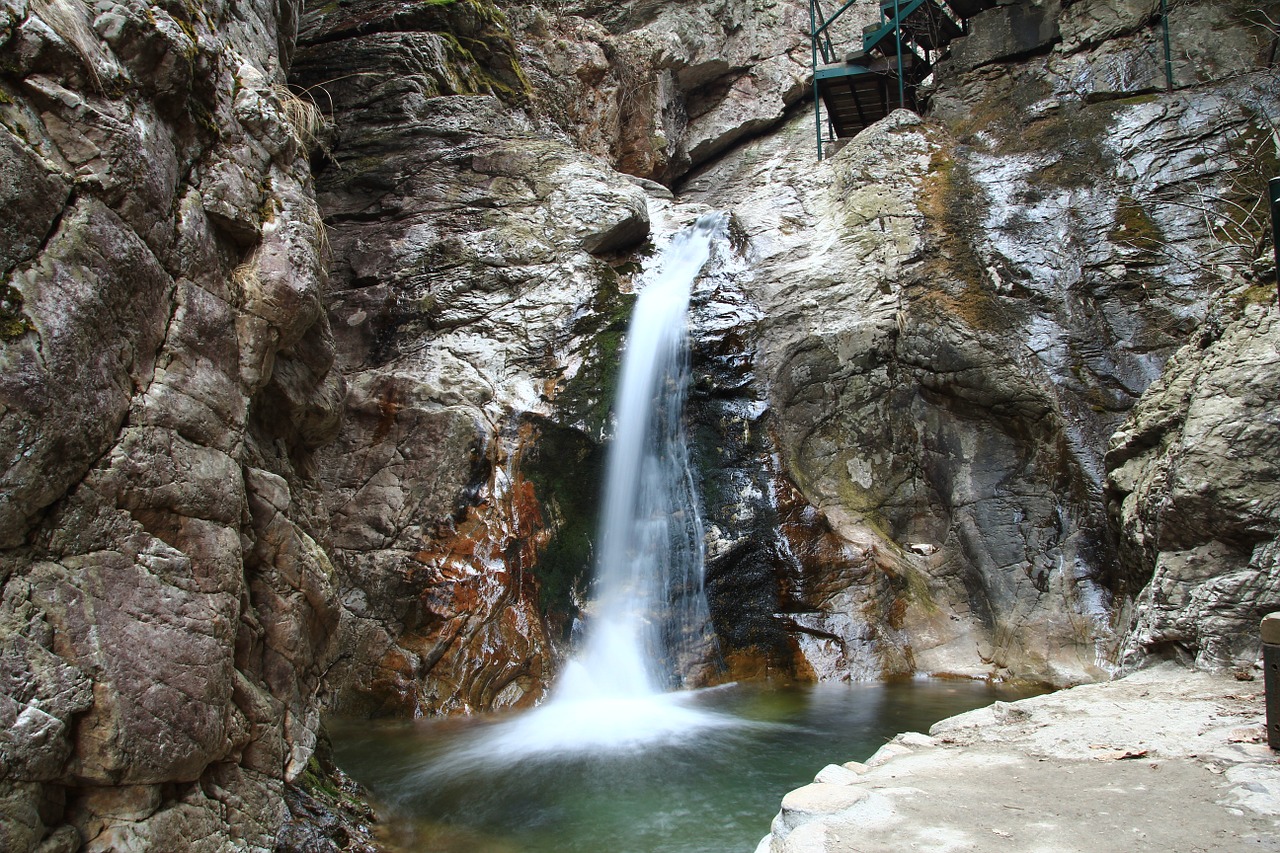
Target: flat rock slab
x,y
1162,760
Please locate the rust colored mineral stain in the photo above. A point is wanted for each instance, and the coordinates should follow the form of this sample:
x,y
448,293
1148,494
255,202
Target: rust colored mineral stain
x,y
483,643
388,408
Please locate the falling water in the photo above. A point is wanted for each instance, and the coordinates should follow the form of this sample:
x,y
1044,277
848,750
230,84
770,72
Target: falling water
x,y
611,761
649,611
650,608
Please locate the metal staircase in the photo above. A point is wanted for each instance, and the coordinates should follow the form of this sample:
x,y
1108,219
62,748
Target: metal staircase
x,y
885,70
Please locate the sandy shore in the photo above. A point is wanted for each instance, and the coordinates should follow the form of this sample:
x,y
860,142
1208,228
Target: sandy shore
x,y
1164,759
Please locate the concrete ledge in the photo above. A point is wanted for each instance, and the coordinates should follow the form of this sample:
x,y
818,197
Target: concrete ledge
x,y
1165,759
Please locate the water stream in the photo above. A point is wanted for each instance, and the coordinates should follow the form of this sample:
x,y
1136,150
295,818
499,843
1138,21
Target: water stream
x,y
649,606
648,610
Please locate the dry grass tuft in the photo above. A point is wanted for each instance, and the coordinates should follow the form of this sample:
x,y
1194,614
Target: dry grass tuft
x,y
308,126
247,281
70,20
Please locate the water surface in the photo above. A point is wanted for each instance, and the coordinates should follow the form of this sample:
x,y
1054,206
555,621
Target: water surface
x,y
471,786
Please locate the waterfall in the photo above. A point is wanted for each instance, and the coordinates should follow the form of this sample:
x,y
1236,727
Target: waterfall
x,y
649,606
649,611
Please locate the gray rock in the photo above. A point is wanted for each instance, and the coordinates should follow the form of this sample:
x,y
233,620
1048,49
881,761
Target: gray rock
x,y
452,343
97,302
1005,32
161,635
659,92
31,197
1190,477
1165,724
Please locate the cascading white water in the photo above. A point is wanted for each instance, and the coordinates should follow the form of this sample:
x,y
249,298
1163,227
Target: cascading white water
x,y
648,596
649,599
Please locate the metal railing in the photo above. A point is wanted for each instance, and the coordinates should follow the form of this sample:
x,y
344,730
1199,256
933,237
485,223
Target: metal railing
x,y
821,45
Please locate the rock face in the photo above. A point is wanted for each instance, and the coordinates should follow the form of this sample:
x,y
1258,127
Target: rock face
x,y
1191,484
478,299
167,611
658,88
467,296
957,315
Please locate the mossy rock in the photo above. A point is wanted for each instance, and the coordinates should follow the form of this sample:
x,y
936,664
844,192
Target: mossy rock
x,y
566,468
1247,222
1135,229
13,322
588,397
955,206
315,780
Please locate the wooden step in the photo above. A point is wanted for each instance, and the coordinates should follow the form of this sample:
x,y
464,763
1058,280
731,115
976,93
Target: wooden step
x,y
856,96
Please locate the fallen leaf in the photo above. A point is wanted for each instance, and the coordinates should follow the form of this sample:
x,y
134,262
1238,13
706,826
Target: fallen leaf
x,y
1121,754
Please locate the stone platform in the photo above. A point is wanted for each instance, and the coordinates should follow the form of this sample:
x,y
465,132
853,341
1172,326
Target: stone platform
x,y
1164,759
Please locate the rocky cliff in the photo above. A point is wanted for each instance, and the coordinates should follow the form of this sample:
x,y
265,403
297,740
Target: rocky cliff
x,y
959,314
311,317
168,611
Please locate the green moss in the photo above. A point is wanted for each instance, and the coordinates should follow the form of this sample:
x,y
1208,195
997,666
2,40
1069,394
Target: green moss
x,y
316,781
203,117
1259,294
1134,229
918,591
13,322
954,206
1137,99
482,52
1075,133
566,468
1073,130
566,463
586,397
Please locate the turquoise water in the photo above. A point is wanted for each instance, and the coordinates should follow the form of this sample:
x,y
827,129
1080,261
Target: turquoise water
x,y
455,786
